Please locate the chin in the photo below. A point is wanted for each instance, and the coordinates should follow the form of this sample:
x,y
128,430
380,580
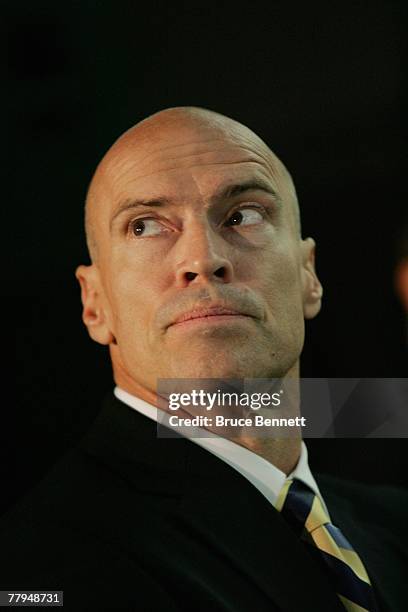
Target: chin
x,y
223,364
222,355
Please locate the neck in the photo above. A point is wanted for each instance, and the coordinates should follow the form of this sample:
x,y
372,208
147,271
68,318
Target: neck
x,y
282,452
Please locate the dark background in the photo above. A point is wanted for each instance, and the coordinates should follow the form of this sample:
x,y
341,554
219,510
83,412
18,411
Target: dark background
x,y
323,83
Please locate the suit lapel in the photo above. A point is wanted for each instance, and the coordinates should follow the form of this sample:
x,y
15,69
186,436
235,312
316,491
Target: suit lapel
x,y
216,511
243,528
360,512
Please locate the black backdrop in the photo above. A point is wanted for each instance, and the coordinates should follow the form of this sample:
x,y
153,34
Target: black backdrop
x,y
322,83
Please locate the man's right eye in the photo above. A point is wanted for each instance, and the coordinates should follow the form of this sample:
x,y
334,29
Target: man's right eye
x,y
146,227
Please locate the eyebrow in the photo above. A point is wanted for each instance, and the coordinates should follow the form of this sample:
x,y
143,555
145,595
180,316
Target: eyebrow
x,y
223,193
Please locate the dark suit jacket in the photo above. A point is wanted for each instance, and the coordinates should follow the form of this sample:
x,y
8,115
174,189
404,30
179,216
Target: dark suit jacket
x,y
127,521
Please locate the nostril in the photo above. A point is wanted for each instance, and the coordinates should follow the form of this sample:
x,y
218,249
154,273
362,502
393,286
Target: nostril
x,y
219,273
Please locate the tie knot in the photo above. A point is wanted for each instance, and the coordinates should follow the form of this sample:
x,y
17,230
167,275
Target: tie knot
x,y
301,507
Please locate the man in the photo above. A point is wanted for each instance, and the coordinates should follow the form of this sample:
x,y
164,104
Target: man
x,y
199,271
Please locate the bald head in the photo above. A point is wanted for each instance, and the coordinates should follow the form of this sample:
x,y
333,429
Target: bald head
x,y
173,129
190,209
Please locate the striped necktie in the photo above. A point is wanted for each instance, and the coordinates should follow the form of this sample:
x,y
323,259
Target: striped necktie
x,y
303,510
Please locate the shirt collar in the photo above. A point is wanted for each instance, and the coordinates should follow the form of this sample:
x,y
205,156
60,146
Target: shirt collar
x,y
265,476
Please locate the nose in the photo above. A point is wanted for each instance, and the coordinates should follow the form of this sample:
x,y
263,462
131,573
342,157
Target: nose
x,y
202,256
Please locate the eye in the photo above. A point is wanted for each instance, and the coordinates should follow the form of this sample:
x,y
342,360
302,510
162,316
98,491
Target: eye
x,y
146,227
245,216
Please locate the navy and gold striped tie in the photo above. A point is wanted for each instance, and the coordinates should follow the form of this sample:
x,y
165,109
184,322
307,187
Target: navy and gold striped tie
x,y
305,513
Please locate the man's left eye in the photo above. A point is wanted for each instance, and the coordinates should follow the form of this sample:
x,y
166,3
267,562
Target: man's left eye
x,y
245,216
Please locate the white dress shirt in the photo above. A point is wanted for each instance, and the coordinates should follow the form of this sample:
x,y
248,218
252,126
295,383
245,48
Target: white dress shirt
x,y
266,477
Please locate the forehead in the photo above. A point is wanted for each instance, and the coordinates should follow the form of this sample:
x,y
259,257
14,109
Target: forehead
x,y
186,161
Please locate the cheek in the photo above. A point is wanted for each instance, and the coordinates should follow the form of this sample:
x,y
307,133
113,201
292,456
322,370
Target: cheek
x,y
134,291
277,272
139,266
277,280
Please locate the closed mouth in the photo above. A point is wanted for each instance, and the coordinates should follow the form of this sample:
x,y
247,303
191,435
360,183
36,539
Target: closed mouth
x,y
212,314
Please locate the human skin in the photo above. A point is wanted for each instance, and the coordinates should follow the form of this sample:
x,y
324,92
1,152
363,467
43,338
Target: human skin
x,y
195,250
401,282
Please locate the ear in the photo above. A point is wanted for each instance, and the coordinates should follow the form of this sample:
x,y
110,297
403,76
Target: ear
x,y
93,313
311,287
401,282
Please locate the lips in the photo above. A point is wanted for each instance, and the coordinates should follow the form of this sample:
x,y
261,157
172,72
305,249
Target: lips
x,y
214,311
